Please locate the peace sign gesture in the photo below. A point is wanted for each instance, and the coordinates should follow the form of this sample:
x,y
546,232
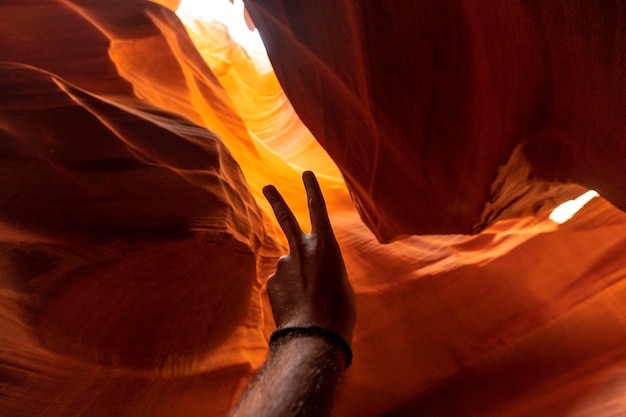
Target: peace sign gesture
x,y
310,286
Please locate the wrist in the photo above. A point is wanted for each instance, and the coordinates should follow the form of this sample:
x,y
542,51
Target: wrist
x,y
316,336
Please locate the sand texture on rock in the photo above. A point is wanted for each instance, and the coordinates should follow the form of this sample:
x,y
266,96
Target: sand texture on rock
x,y
135,241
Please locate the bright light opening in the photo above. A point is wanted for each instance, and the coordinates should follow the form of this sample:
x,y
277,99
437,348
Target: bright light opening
x,y
566,211
223,11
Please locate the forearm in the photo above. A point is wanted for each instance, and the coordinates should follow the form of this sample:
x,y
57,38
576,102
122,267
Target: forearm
x,y
298,379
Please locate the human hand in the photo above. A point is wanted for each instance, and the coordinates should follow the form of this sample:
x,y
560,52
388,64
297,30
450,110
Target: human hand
x,y
310,286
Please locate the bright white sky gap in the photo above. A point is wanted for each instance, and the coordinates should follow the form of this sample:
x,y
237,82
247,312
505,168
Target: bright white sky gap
x,y
229,14
566,211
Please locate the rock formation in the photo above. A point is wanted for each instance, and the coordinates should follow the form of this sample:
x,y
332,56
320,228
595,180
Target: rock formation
x,y
135,242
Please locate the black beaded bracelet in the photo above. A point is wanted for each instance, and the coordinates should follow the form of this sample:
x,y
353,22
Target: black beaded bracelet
x,y
329,335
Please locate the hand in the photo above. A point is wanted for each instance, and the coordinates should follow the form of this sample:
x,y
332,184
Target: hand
x,y
310,286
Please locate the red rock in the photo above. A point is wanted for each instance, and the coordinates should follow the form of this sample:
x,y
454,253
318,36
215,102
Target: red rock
x,y
134,242
432,97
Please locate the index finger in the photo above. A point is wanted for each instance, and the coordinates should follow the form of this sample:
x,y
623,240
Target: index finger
x,y
285,217
317,205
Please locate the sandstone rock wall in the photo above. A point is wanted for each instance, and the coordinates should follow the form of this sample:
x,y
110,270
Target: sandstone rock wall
x,y
135,242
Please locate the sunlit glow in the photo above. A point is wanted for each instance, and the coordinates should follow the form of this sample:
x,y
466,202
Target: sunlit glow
x,y
566,211
230,14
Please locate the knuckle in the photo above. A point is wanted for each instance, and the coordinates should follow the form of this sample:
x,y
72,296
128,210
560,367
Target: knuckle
x,y
271,282
283,217
282,262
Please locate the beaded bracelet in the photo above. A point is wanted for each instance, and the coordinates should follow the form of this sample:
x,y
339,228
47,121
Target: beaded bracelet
x,y
329,335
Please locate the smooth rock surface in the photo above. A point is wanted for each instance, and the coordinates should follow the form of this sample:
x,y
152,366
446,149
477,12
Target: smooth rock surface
x,y
135,241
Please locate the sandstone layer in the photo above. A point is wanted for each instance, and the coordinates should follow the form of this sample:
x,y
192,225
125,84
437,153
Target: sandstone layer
x,y
135,241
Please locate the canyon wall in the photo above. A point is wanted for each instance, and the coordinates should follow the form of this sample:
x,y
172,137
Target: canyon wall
x,y
135,241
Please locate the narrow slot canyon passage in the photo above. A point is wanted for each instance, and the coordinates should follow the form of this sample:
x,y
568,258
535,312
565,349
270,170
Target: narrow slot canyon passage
x,y
471,157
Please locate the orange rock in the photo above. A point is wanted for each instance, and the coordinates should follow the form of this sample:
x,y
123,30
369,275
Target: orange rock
x,y
134,239
431,98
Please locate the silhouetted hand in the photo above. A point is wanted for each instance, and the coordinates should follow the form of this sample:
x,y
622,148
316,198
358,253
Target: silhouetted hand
x,y
310,286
